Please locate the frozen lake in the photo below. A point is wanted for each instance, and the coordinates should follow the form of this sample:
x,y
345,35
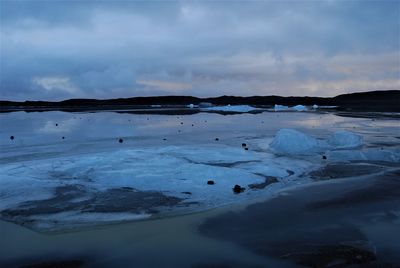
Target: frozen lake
x,y
64,171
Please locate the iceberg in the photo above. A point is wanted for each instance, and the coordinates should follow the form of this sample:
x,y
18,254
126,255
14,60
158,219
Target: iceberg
x,y
294,142
232,108
291,141
278,107
299,108
344,140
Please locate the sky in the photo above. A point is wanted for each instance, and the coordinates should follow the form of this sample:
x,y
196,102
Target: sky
x,y
55,50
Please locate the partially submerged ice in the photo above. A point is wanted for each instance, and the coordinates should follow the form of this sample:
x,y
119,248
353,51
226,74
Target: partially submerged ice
x,y
135,183
294,142
291,141
344,140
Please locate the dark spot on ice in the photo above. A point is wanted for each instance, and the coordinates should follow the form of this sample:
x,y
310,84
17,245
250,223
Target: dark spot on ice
x,y
244,144
210,182
164,139
120,140
324,157
238,189
181,123
56,125
216,139
192,125
11,137
246,149
63,137
147,118
186,193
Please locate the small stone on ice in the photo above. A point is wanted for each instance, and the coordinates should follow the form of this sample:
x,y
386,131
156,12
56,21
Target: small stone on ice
x,y
11,137
120,140
238,189
210,182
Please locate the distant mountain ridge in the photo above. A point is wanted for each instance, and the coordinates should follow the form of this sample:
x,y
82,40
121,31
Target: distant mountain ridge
x,y
371,100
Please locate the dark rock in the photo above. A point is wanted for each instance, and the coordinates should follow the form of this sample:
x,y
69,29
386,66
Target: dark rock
x,y
246,149
192,125
120,140
63,137
216,139
164,139
56,125
244,144
238,189
210,182
324,157
11,137
181,123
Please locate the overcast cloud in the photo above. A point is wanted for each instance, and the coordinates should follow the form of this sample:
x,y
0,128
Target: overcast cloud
x,y
55,50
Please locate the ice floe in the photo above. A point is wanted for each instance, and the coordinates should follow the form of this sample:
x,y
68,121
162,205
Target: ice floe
x,y
101,178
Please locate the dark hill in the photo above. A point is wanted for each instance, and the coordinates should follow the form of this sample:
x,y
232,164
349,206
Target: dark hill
x,y
364,101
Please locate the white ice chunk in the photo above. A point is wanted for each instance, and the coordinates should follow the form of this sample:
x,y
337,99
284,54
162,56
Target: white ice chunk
x,y
315,106
232,108
191,106
299,108
345,140
278,107
291,141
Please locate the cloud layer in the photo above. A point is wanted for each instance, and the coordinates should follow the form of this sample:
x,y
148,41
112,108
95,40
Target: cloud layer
x,y
58,49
